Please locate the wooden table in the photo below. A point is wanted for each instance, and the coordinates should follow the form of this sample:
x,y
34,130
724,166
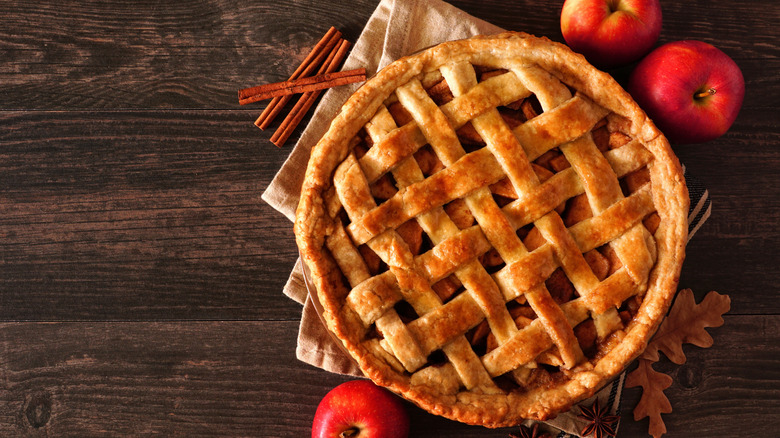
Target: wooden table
x,y
141,274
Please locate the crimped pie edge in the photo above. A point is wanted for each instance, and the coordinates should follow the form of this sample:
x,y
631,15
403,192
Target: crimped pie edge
x,y
669,196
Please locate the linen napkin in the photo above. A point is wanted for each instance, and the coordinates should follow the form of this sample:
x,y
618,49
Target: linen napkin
x,y
395,29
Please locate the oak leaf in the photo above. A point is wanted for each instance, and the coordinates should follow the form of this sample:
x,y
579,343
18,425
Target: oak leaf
x,y
686,323
653,402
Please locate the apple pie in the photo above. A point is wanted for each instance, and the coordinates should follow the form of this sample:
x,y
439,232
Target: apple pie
x,y
494,229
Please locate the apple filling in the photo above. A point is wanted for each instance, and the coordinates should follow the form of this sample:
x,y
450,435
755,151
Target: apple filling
x,y
494,228
592,333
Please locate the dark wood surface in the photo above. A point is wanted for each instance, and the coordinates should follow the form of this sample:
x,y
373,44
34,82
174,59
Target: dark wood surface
x,y
141,273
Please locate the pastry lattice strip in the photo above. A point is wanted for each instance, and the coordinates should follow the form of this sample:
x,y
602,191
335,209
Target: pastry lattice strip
x,y
438,225
425,204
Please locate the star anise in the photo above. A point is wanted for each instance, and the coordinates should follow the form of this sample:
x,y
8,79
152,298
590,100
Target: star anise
x,y
532,432
601,424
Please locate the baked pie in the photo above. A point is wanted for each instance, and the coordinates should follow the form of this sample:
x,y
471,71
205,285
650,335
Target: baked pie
x,y
493,227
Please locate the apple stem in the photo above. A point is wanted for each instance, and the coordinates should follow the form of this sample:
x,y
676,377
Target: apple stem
x,y
705,93
349,433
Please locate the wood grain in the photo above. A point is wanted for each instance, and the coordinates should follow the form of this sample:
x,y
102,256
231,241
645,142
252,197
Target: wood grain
x,y
157,215
710,393
196,54
741,230
232,379
156,54
141,273
139,379
139,215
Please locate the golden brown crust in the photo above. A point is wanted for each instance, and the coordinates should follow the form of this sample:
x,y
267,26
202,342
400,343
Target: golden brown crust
x,y
485,404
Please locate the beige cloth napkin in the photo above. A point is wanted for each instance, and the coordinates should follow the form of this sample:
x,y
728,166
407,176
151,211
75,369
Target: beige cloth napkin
x,y
396,28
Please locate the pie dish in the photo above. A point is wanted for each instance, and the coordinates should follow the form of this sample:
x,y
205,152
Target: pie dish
x,y
493,227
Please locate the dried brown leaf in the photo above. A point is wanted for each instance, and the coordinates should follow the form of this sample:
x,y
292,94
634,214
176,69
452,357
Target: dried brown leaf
x,y
686,323
653,402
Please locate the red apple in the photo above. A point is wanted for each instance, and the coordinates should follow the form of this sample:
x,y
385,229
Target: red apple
x,y
360,409
611,33
690,89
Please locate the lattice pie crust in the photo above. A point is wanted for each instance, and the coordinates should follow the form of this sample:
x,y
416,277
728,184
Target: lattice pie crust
x,y
493,227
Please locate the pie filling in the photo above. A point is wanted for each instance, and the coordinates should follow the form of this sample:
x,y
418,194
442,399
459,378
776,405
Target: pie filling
x,y
491,232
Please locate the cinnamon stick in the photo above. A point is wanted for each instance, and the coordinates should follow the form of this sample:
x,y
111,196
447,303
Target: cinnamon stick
x,y
296,114
320,50
307,99
301,85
